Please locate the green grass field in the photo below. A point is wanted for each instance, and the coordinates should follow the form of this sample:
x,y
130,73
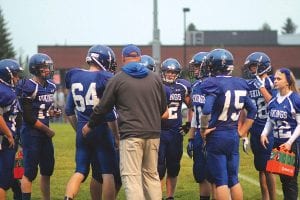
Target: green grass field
x,y
187,189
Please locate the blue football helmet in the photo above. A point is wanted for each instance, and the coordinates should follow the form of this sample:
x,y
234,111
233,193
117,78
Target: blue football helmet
x,y
148,62
38,63
220,62
261,61
103,57
170,65
9,69
197,66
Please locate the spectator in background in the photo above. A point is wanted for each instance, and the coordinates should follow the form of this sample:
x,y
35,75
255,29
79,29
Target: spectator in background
x,y
59,103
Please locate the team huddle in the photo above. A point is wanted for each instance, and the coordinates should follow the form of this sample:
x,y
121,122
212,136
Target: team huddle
x,y
129,123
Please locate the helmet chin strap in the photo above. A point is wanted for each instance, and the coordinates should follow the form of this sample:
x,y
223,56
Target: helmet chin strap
x,y
5,83
268,69
11,77
99,64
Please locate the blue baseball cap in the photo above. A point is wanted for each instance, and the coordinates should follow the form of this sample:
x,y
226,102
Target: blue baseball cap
x,y
131,51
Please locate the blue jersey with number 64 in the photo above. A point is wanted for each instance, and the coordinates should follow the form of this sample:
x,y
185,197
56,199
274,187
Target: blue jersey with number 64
x,y
86,88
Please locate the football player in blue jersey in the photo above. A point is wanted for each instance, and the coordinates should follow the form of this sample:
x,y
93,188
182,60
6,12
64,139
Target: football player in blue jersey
x,y
97,149
225,97
284,123
36,98
171,138
9,76
198,70
149,62
261,85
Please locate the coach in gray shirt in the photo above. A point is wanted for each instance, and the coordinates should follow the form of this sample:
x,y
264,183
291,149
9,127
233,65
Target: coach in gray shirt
x,y
140,99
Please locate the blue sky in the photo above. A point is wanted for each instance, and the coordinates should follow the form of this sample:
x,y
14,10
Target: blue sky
x,y
119,22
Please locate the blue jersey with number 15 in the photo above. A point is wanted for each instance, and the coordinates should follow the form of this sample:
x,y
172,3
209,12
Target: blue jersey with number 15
x,y
231,96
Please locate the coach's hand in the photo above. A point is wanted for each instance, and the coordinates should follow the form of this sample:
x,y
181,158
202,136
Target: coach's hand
x,y
85,130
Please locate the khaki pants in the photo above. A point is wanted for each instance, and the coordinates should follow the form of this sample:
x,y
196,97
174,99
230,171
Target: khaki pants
x,y
138,167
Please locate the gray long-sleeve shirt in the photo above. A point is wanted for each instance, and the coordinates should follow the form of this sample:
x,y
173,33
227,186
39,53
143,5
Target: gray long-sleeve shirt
x,y
140,102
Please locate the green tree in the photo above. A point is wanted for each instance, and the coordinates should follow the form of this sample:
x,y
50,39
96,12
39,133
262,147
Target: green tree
x,y
289,27
192,27
6,48
266,27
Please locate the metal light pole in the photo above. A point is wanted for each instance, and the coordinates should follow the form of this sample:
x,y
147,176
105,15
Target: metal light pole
x,y
185,10
156,37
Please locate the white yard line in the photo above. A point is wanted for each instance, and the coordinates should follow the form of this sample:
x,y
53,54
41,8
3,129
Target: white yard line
x,y
255,182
